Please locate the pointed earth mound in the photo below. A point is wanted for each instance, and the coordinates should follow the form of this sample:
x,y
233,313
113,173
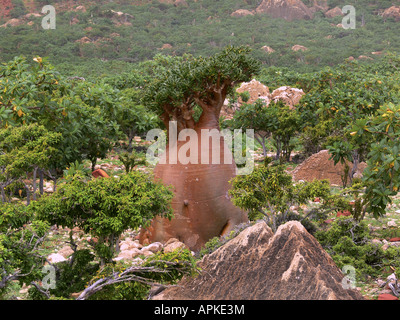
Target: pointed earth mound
x,y
320,167
260,265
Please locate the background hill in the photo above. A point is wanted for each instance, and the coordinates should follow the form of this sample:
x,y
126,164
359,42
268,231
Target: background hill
x,y
95,37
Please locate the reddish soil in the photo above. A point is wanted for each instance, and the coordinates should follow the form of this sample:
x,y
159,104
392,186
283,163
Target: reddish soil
x,y
6,6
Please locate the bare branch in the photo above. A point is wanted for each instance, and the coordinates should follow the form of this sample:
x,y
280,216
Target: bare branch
x,y
45,293
135,273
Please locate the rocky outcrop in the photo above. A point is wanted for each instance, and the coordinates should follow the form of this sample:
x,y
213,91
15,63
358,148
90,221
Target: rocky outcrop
x,y
287,9
241,13
319,5
256,90
175,2
298,47
25,19
335,12
56,258
260,265
268,49
165,46
13,23
80,9
363,57
290,96
392,12
119,18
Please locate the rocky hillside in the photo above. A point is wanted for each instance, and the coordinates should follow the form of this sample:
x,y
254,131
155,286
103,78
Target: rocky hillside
x,y
305,35
286,9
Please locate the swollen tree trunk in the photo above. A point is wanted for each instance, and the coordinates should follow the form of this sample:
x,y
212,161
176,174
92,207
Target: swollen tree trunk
x,y
202,207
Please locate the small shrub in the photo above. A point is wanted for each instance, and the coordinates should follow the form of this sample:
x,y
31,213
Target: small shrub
x,y
348,243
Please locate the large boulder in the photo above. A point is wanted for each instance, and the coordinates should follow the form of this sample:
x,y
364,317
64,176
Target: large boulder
x,y
319,5
288,95
260,265
13,23
392,12
286,9
256,90
241,13
268,49
335,12
298,47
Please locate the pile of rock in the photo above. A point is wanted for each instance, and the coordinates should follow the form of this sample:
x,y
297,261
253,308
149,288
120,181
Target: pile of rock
x,y
334,12
290,96
26,19
268,49
298,47
131,249
241,13
256,90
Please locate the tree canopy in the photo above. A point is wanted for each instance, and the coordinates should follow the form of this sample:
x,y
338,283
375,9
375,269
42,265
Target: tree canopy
x,y
187,82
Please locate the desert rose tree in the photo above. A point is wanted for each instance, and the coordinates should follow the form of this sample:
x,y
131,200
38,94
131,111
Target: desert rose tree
x,y
190,91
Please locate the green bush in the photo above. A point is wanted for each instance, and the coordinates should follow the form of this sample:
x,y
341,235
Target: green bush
x,y
161,268
348,243
269,192
20,238
71,276
216,242
106,207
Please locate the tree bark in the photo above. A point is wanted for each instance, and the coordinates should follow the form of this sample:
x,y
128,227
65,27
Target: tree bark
x,y
34,183
41,181
356,161
278,148
261,140
3,194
